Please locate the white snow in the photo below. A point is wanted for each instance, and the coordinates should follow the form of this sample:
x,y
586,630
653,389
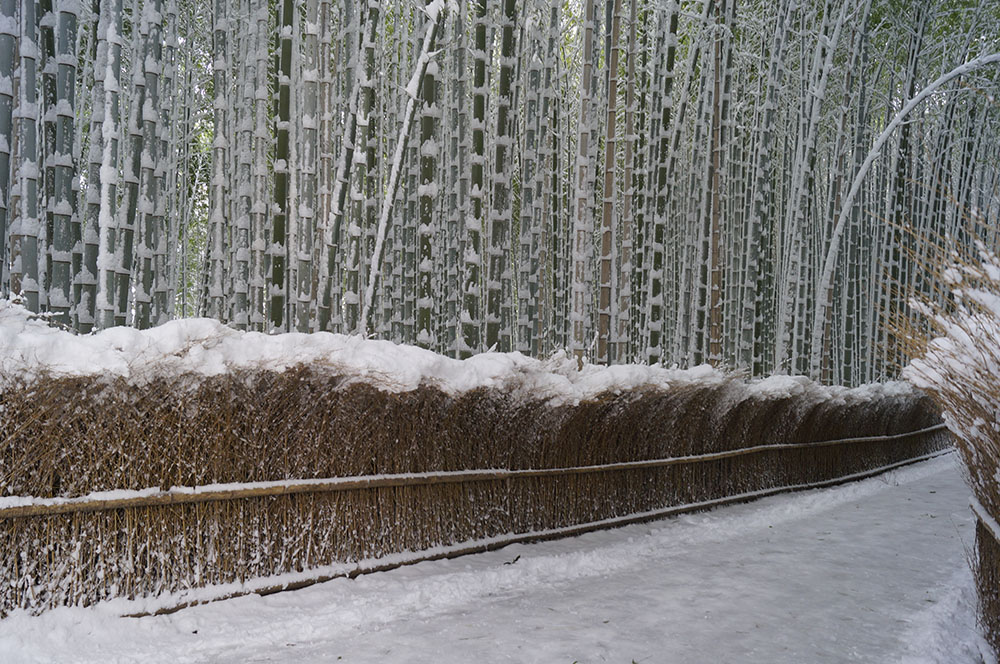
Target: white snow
x,y
873,571
200,347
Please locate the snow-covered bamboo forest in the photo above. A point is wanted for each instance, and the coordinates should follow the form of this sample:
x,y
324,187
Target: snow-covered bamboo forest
x,y
633,181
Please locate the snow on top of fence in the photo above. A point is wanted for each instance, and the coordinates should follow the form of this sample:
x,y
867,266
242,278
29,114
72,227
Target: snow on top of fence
x,y
201,347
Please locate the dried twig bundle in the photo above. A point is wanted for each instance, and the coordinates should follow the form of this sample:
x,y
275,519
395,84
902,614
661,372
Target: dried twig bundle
x,y
958,363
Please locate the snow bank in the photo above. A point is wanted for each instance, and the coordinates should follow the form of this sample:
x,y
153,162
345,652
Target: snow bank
x,y
30,349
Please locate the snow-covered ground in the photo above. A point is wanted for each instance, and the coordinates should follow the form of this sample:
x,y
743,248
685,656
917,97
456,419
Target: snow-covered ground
x,y
873,571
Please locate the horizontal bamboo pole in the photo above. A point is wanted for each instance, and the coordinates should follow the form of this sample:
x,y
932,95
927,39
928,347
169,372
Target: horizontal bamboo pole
x,y
222,492
494,544
984,517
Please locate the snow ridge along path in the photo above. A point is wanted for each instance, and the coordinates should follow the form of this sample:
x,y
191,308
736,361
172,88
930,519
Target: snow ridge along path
x,y
197,348
873,571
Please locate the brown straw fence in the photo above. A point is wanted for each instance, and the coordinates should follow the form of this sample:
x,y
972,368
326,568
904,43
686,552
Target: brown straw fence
x,y
348,475
987,570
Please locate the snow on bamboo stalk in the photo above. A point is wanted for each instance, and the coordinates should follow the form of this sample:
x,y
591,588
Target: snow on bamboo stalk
x,y
150,180
427,193
626,278
344,103
214,295
406,245
653,53
78,22
373,157
110,130
499,290
721,123
455,194
125,235
60,75
841,150
91,230
546,223
83,314
260,175
433,11
658,182
240,131
293,222
362,166
164,257
186,298
473,262
388,313
739,149
393,295
277,284
583,214
560,185
531,177
300,157
8,57
24,277
444,241
855,302
24,228
695,240
318,311
308,162
605,340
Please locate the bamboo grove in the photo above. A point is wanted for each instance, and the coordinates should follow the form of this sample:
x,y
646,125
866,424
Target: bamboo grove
x,y
632,181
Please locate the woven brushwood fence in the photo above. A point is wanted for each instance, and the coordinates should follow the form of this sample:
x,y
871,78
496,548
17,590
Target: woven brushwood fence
x,y
116,491
987,571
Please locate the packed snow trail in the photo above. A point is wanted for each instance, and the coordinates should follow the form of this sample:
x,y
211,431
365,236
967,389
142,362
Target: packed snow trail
x,y
873,571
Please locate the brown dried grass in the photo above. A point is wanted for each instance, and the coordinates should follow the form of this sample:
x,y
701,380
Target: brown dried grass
x,y
962,376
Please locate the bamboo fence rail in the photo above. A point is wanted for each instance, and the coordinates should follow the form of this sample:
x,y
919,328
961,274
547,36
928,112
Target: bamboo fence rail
x,y
265,587
204,494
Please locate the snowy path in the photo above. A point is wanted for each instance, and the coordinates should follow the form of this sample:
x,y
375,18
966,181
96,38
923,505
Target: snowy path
x,y
873,571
